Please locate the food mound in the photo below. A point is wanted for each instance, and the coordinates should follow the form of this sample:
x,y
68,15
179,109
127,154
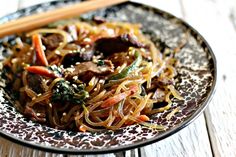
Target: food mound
x,y
90,75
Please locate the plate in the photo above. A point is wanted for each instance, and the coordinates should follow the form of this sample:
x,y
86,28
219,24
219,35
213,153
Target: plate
x,y
195,81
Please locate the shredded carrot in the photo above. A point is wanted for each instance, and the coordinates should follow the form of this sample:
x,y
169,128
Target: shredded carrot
x,y
82,128
133,89
129,122
117,98
40,70
39,49
143,118
114,100
140,118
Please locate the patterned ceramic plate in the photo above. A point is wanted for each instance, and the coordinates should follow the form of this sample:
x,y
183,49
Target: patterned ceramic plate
x,y
196,82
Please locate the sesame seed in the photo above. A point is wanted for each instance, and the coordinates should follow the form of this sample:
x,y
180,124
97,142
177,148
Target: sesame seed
x,y
70,69
102,81
74,85
75,77
57,52
87,40
103,69
83,50
142,49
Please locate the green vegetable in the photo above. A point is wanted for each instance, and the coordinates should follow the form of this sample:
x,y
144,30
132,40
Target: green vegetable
x,y
63,92
100,63
128,69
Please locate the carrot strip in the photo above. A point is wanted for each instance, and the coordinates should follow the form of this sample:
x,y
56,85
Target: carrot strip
x,y
114,100
82,128
140,118
143,118
117,98
39,49
41,71
133,89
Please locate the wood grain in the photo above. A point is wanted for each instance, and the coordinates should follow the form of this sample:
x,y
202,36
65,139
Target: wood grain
x,y
191,141
9,149
214,22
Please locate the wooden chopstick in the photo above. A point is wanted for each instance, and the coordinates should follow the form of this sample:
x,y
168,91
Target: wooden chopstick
x,y
41,19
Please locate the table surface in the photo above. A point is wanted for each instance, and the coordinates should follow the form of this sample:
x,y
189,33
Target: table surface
x,y
213,133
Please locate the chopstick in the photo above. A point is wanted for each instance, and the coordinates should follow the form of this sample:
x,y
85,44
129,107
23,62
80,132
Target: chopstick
x,y
41,19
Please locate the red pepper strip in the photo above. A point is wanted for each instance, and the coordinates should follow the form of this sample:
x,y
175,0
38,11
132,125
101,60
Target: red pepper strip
x,y
37,42
40,70
117,98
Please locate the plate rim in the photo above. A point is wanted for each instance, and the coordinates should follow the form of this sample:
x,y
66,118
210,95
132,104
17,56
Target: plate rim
x,y
152,140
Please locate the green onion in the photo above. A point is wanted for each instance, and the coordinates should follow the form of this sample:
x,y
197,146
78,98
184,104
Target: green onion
x,y
128,69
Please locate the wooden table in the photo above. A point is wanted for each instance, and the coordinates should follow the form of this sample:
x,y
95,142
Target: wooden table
x,y
214,132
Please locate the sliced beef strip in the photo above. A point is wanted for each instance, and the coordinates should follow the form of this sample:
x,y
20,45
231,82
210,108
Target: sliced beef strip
x,y
159,94
165,81
52,41
35,83
117,44
86,70
158,82
73,58
118,59
158,91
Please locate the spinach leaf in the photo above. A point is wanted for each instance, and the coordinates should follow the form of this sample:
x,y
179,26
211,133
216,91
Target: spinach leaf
x,y
64,91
